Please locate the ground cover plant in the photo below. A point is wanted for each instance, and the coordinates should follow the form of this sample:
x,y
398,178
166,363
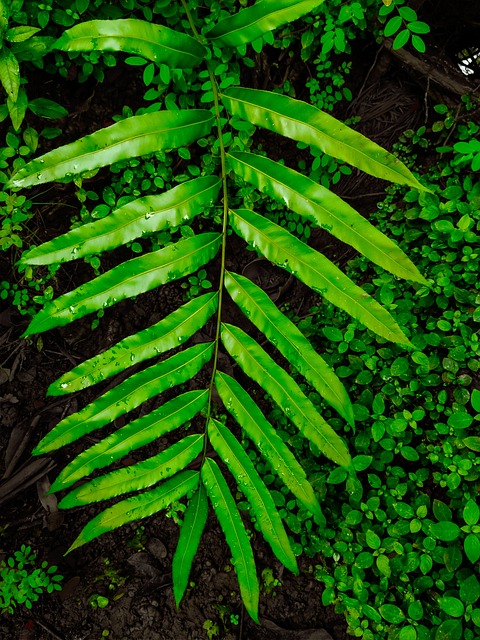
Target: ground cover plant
x,y
201,206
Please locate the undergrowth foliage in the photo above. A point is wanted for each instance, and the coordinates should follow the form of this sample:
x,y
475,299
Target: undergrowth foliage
x,y
167,476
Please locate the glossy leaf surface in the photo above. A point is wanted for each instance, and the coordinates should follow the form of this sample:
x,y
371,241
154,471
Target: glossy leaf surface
x,y
133,220
130,278
316,271
194,520
136,434
246,412
325,209
232,526
254,489
127,395
284,335
305,123
138,507
169,333
137,476
285,392
253,22
151,41
129,138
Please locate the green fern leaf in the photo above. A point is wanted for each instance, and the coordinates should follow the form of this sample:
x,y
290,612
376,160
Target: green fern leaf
x,y
127,396
137,476
305,123
254,489
167,334
316,271
138,507
253,22
246,412
129,138
130,278
257,364
291,343
151,41
235,534
135,219
136,434
194,521
325,209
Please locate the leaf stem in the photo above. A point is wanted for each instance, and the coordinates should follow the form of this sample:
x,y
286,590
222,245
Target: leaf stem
x,y
216,108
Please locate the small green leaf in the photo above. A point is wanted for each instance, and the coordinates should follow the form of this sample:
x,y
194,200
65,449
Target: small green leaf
x,y
9,73
391,613
472,547
401,39
445,531
373,540
471,512
452,606
450,630
470,590
45,108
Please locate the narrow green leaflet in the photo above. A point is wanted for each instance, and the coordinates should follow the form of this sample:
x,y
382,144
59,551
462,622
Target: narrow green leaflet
x,y
169,333
137,476
126,396
135,434
253,22
237,539
151,41
9,73
137,507
194,520
17,110
128,279
316,271
135,219
284,335
135,136
271,446
285,392
305,123
325,209
254,489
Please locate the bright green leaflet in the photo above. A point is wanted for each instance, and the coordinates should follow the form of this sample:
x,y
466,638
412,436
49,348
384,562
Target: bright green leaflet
x,y
127,395
194,521
285,391
137,507
135,219
291,343
235,534
135,136
305,123
137,476
246,412
151,41
167,334
254,489
251,23
128,279
316,271
136,434
325,209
